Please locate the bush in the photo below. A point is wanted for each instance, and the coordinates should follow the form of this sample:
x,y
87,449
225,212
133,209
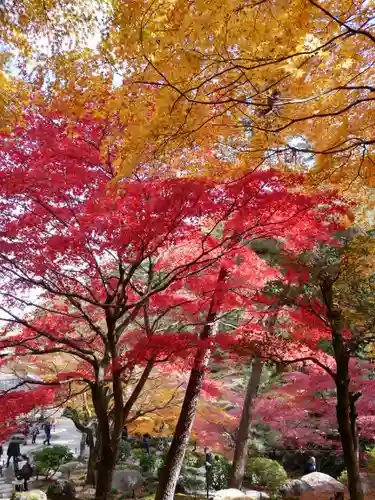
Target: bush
x,y
267,472
48,460
138,452
62,490
343,478
149,463
193,459
124,451
371,459
218,476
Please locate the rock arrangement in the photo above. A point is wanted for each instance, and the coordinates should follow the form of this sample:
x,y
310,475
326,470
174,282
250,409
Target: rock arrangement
x,y
312,486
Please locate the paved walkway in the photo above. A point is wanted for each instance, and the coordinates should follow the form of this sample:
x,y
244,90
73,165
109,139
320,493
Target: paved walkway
x,y
64,434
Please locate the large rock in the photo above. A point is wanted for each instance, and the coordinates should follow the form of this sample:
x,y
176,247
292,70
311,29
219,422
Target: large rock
x,y
62,490
229,494
29,495
126,480
312,486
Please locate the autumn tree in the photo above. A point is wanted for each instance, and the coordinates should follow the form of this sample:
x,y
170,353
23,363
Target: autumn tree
x,y
330,313
87,257
210,332
258,79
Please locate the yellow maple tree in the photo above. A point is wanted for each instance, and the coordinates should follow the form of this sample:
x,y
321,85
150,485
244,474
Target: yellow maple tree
x,y
246,79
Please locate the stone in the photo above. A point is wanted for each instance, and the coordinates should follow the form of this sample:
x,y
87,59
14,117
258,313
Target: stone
x,y
87,493
255,495
126,480
29,495
68,468
62,490
312,486
368,481
230,494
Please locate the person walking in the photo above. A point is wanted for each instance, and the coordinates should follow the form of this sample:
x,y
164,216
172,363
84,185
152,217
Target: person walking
x,y
14,452
47,430
209,462
124,433
145,444
34,433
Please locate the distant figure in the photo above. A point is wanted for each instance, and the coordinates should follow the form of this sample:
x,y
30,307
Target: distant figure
x,y
145,444
310,465
209,458
13,452
124,433
34,433
47,430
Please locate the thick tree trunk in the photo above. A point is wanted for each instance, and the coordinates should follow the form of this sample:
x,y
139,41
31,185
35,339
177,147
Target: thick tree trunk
x,y
91,471
108,444
168,481
105,472
345,405
94,453
105,468
242,439
348,440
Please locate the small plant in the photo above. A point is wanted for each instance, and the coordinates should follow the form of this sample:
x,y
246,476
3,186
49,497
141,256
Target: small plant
x,y
48,460
125,451
149,463
193,459
371,459
138,453
343,477
267,472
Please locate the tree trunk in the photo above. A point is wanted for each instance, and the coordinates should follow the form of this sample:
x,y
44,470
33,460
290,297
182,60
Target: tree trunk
x,y
345,405
82,446
348,440
104,478
108,445
138,389
168,481
105,467
94,452
242,439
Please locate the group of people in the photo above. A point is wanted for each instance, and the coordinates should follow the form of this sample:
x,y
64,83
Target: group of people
x,y
23,470
21,464
47,426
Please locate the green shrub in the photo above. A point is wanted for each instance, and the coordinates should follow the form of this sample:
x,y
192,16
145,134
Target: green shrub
x,y
219,473
191,483
149,463
124,451
371,459
48,460
343,477
267,472
138,452
193,459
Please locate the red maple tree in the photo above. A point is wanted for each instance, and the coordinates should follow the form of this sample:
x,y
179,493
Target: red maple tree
x,y
83,258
